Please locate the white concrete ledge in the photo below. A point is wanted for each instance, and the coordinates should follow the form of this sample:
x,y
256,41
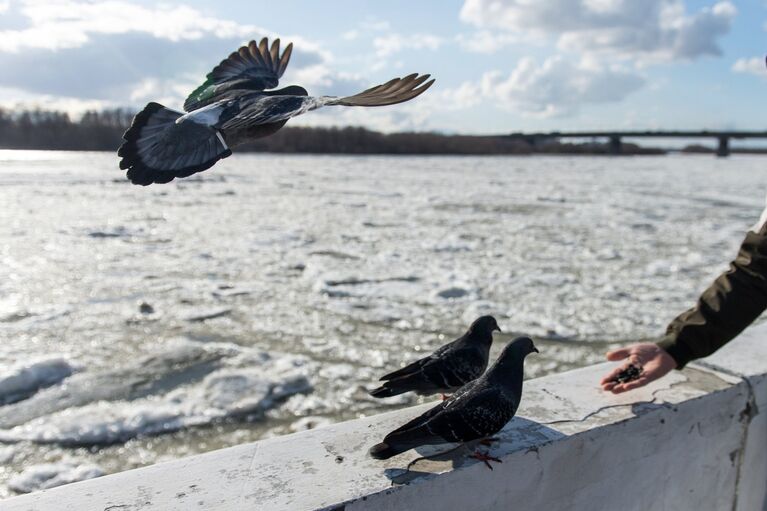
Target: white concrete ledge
x,y
695,440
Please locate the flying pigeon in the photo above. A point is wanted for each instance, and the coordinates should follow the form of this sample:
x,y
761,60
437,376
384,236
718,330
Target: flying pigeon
x,y
476,411
447,369
231,107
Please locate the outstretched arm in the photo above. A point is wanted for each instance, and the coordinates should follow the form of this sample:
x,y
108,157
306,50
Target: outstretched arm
x,y
734,300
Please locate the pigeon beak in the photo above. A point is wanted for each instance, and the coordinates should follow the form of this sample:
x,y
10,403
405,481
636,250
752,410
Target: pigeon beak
x,y
497,328
535,349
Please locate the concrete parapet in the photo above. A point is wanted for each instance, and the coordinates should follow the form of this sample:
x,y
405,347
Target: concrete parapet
x,y
694,440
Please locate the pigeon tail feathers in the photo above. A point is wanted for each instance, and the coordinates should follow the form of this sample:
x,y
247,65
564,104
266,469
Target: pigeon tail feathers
x,y
157,149
385,391
384,451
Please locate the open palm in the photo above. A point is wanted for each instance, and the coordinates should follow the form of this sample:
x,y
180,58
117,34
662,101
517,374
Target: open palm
x,y
654,361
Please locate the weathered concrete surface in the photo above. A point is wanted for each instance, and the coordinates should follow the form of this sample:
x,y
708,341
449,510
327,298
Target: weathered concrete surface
x,y
747,358
690,441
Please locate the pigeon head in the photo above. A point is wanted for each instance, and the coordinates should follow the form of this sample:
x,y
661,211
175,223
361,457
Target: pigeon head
x,y
508,370
517,350
484,325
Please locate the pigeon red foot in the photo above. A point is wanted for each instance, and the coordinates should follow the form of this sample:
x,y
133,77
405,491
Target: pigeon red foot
x,y
485,457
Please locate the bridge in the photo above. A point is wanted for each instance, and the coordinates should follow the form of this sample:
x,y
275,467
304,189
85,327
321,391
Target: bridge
x,y
614,137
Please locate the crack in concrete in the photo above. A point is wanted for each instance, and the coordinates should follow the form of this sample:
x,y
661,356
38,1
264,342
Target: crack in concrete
x,y
241,496
636,403
748,413
598,410
608,407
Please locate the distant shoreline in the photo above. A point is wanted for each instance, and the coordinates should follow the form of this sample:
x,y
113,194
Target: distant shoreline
x,y
102,131
655,152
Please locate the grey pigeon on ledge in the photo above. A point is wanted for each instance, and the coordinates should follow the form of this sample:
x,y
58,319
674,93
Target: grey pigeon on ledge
x,y
232,107
476,411
447,369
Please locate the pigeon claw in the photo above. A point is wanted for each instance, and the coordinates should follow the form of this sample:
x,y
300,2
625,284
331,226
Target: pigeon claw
x,y
485,458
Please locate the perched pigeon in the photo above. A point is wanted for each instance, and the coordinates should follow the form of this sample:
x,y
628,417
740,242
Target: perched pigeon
x,y
447,369
476,411
232,107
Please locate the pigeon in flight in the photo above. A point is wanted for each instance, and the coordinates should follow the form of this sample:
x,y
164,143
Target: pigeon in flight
x,y
447,369
476,411
231,107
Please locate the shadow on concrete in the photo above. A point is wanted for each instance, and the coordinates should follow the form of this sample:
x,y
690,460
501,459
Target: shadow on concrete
x,y
518,435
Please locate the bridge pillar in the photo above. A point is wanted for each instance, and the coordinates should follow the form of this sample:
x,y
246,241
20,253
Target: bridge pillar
x,y
724,147
615,145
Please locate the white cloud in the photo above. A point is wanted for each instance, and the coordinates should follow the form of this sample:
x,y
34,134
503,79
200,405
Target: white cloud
x,y
375,25
416,115
387,120
350,35
754,65
71,23
646,29
116,52
164,91
437,100
486,41
18,99
558,87
321,78
161,52
366,27
393,43
464,96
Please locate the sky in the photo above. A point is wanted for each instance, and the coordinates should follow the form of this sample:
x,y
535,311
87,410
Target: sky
x,y
500,65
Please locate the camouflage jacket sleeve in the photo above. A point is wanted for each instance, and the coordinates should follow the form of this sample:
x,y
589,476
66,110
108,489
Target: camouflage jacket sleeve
x,y
734,300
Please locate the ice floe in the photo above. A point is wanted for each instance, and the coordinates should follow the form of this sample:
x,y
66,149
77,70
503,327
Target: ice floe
x,y
206,314
21,380
50,475
190,386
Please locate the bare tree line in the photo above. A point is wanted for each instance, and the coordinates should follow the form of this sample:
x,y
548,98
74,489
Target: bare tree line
x,y
102,131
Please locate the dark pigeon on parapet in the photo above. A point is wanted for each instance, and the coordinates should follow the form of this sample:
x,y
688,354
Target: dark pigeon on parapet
x,y
234,106
476,411
447,369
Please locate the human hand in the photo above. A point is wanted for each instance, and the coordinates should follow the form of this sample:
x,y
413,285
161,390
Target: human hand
x,y
653,360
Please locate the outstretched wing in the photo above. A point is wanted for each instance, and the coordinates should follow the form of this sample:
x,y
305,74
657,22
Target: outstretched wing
x,y
255,66
392,92
277,108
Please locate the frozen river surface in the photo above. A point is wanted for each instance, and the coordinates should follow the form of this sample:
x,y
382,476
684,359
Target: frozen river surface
x,y
264,297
